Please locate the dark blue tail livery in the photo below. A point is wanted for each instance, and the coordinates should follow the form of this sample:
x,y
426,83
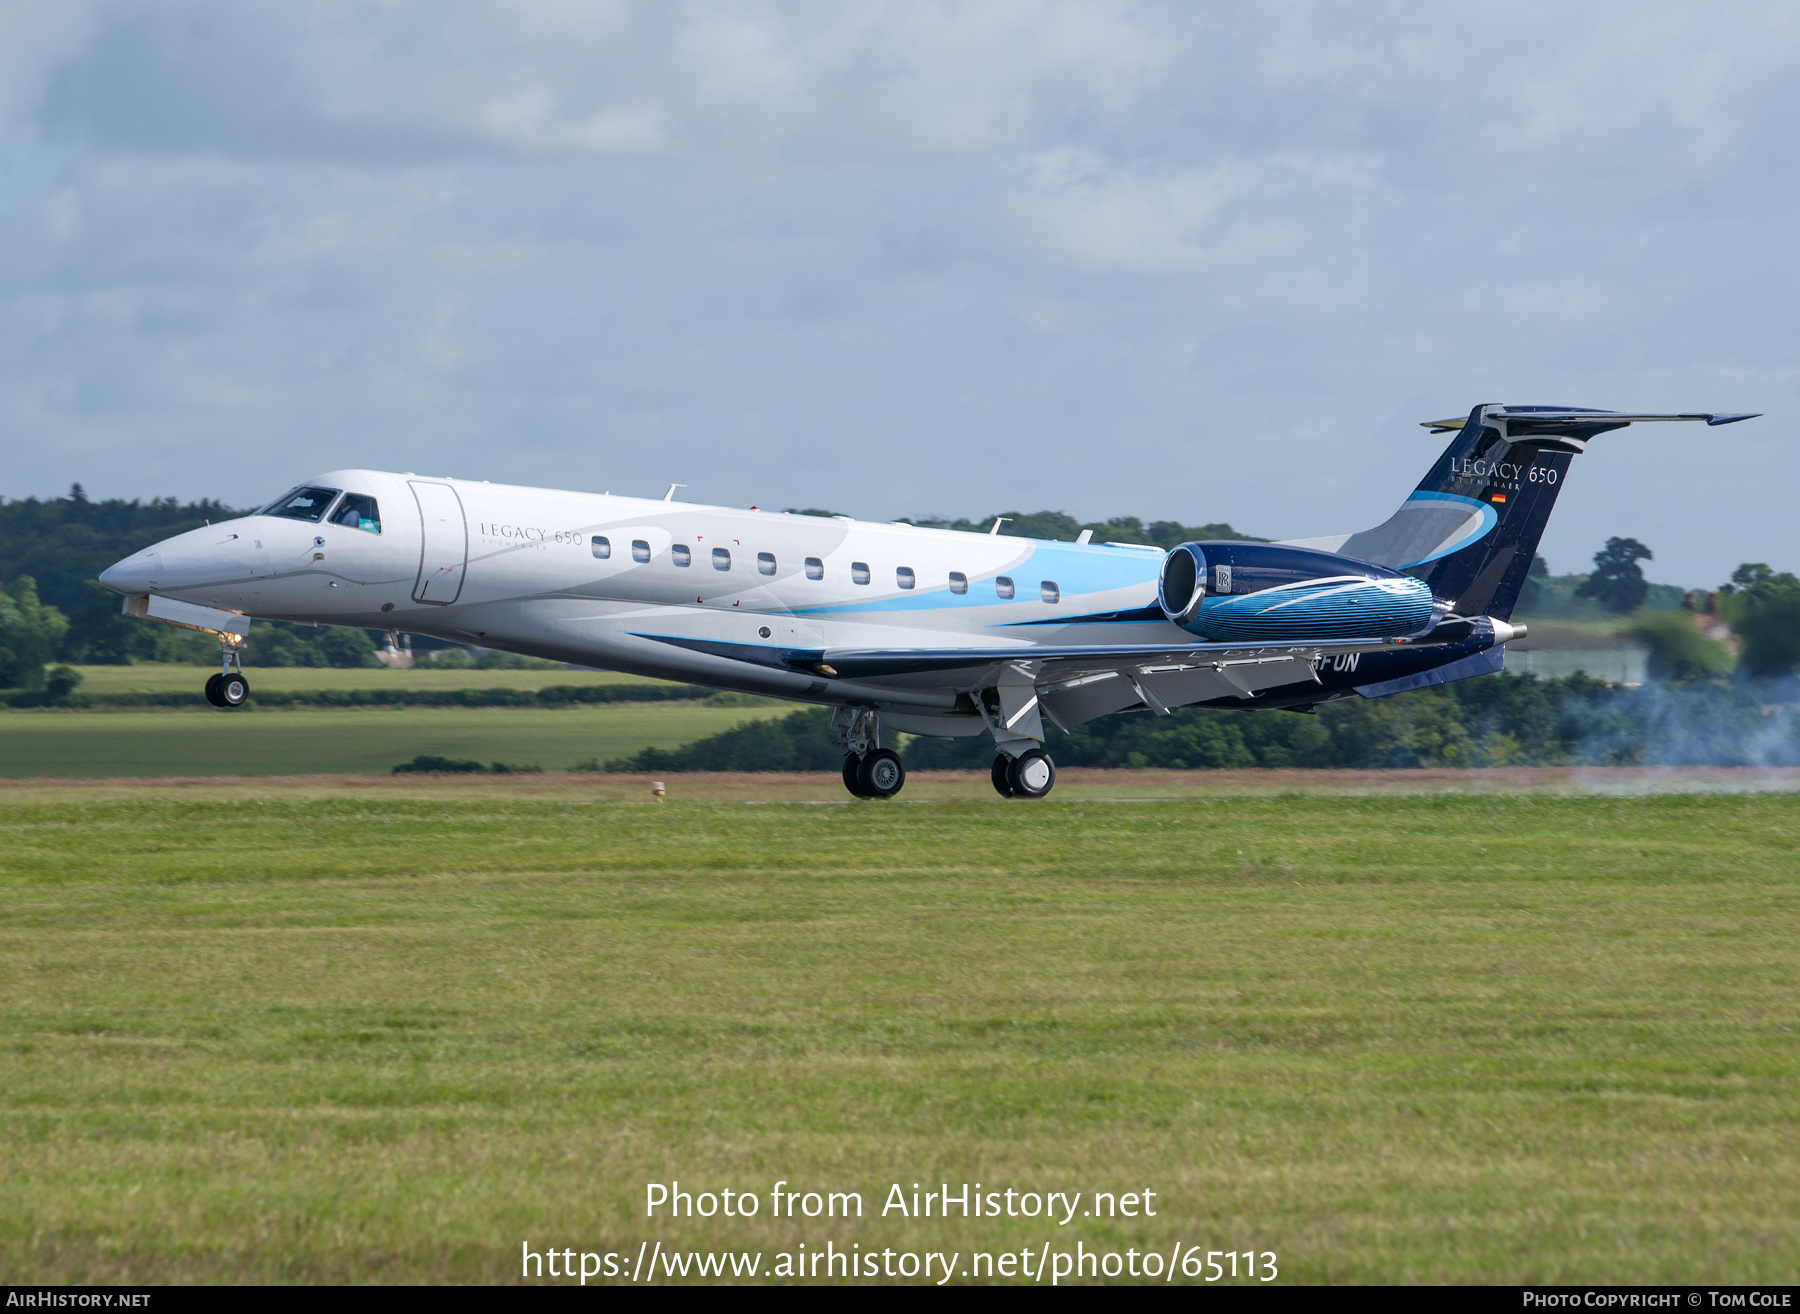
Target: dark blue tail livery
x,y
1471,528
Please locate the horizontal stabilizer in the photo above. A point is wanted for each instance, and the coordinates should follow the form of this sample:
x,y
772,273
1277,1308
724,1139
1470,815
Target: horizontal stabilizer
x,y
1573,421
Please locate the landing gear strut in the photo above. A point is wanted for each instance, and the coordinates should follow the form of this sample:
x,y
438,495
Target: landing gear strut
x,y
1011,709
870,771
229,688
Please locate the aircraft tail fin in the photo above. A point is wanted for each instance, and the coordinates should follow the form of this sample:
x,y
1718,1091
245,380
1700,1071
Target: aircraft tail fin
x,y
1471,528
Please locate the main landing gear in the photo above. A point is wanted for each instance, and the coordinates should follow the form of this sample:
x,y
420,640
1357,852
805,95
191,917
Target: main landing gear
x,y
870,771
229,688
1029,775
876,774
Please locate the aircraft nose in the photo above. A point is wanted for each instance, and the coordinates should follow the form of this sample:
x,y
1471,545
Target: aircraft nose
x,y
137,573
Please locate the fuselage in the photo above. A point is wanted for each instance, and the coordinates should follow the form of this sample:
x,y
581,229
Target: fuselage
x,y
919,630
764,602
605,580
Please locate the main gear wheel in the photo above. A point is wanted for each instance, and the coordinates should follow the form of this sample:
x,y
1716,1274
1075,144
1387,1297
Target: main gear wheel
x,y
1031,774
881,774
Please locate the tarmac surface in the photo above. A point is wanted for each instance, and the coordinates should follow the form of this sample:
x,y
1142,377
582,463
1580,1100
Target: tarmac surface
x,y
1084,784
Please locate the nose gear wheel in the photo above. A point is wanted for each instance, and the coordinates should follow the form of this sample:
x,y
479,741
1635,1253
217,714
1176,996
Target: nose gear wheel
x,y
229,688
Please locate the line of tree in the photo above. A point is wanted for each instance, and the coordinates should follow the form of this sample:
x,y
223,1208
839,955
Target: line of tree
x,y
1494,721
1621,587
1060,527
64,543
54,610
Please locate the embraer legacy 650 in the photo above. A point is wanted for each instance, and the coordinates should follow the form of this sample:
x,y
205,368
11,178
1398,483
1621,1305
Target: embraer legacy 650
x,y
897,628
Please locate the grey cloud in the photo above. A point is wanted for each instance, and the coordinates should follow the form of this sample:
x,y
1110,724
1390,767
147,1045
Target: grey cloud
x,y
1185,261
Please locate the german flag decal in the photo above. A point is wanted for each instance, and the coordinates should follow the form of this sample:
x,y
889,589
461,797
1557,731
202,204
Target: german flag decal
x,y
1499,497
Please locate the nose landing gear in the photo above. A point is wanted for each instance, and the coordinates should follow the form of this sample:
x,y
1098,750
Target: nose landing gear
x,y
229,688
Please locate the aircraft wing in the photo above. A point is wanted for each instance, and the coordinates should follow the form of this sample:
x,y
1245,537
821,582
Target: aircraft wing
x,y
1072,684
1052,662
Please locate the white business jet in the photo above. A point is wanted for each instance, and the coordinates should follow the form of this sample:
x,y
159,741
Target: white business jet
x,y
897,628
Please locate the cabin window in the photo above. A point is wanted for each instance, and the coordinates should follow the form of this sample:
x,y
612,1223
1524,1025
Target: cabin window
x,y
357,511
815,569
1048,591
959,582
859,572
681,554
905,578
640,551
721,558
1003,586
302,504
765,563
602,546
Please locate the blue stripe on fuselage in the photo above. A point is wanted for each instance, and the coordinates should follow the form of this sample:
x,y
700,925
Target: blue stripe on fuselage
x,y
1076,570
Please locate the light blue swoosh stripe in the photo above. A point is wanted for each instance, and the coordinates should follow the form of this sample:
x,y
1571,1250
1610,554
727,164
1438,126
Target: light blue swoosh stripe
x,y
1489,518
1076,571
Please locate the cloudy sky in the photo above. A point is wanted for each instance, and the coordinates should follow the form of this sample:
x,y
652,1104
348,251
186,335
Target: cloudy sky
x,y
1193,261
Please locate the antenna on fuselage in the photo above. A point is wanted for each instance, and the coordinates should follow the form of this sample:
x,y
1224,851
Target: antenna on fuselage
x,y
670,495
998,521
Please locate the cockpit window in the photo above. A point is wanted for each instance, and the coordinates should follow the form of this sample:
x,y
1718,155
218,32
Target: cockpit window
x,y
358,512
301,504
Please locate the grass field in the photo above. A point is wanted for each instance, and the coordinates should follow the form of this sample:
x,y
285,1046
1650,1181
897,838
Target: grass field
x,y
208,742
158,678
1393,1038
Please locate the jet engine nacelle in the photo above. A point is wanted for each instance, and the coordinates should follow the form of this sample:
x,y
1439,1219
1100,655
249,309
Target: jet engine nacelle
x,y
1236,592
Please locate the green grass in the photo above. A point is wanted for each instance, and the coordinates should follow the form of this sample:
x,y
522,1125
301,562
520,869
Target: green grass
x,y
209,742
158,678
1430,1039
